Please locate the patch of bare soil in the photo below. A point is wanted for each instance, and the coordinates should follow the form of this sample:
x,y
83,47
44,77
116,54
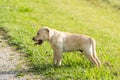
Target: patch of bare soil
x,y
13,64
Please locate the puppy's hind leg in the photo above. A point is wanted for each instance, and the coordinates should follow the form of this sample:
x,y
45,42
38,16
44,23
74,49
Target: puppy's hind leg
x,y
93,43
97,59
88,53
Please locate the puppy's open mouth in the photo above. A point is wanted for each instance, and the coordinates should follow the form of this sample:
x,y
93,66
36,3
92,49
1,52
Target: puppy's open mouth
x,y
39,42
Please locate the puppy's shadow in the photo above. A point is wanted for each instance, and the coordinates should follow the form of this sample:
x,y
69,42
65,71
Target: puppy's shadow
x,y
43,68
77,64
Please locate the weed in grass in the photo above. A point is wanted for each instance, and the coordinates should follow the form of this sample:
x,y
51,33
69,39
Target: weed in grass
x,y
20,74
24,9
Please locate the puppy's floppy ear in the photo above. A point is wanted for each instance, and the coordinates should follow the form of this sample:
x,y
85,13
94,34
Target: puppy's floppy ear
x,y
47,29
50,32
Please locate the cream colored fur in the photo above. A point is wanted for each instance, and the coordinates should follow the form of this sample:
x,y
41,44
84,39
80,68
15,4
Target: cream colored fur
x,y
68,42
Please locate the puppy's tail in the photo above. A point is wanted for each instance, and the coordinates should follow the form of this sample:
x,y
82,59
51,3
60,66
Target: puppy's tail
x,y
94,51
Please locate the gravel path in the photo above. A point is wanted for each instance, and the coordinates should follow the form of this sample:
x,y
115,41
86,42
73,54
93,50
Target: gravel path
x,y
13,64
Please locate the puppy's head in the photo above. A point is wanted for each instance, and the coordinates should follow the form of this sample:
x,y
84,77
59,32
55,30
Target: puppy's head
x,y
42,35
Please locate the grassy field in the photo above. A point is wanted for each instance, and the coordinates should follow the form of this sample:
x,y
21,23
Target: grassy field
x,y
22,19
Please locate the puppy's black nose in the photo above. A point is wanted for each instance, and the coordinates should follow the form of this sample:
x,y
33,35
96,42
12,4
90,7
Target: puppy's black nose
x,y
33,39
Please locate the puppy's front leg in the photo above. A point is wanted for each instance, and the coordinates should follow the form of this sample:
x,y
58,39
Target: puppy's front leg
x,y
57,57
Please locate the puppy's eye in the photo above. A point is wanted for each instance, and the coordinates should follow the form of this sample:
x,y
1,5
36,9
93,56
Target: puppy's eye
x,y
38,33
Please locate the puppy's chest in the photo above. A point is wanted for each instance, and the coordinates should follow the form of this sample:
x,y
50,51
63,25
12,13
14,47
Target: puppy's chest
x,y
55,44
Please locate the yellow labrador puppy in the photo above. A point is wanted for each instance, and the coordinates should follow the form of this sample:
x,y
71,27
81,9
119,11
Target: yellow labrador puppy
x,y
67,42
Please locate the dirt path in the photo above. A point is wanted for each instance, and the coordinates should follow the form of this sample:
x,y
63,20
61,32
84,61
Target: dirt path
x,y
13,64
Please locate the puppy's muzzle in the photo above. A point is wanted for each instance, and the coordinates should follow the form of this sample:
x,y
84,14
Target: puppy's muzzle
x,y
39,42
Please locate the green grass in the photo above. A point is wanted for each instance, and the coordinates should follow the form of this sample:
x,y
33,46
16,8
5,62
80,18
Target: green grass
x,y
22,19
